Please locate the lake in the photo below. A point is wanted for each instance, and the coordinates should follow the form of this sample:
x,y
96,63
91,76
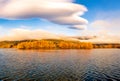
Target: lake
x,y
60,65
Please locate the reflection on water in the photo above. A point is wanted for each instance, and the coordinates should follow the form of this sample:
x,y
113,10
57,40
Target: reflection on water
x,y
60,65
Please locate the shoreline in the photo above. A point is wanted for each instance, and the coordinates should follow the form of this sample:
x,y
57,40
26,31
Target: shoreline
x,y
51,44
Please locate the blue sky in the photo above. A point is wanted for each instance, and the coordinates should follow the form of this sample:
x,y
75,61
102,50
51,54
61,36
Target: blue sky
x,y
94,7
99,11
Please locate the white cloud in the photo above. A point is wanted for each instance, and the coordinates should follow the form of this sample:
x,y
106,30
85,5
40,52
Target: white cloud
x,y
106,27
107,24
26,34
112,26
57,11
100,24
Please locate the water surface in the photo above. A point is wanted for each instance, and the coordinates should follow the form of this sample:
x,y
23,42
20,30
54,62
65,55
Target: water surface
x,y
60,65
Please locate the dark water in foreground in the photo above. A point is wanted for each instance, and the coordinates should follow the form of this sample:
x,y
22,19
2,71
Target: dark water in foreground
x,y
60,65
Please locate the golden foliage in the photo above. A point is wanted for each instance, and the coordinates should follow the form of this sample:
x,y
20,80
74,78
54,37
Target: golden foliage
x,y
37,45
54,44
47,44
74,45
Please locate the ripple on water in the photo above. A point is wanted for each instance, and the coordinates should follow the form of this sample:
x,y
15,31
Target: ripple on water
x,y
60,65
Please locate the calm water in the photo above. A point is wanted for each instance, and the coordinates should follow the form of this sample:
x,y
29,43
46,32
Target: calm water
x,y
60,65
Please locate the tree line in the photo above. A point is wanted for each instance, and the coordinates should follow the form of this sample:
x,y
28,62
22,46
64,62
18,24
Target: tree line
x,y
106,45
54,44
46,44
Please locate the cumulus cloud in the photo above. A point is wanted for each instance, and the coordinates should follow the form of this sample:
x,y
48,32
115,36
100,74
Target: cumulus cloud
x,y
101,36
106,27
107,20
62,12
26,34
113,23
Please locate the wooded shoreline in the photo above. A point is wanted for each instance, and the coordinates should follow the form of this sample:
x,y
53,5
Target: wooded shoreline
x,y
55,44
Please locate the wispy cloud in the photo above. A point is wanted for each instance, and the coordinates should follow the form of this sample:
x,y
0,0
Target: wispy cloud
x,y
62,12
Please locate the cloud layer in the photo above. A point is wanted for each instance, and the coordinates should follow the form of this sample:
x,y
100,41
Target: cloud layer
x,y
106,27
26,34
62,12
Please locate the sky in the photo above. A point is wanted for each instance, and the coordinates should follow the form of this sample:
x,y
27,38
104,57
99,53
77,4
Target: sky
x,y
34,19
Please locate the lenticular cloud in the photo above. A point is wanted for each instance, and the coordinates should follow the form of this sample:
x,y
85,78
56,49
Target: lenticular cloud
x,y
62,12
